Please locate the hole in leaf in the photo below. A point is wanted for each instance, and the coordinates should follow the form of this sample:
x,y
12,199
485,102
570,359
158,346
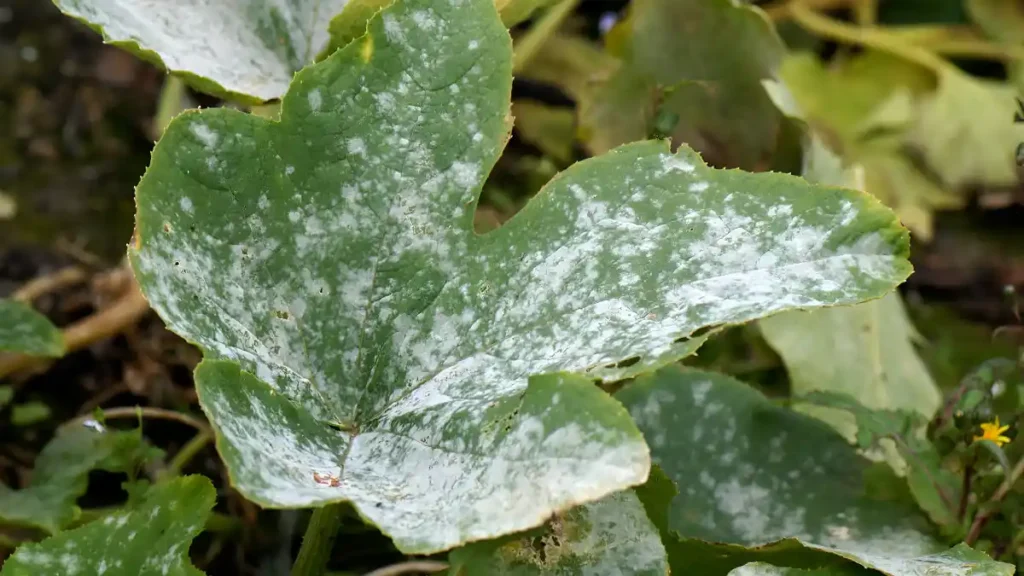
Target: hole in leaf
x,y
283,315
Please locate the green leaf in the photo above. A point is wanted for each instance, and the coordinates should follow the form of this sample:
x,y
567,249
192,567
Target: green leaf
x,y
6,395
245,50
751,473
29,413
61,474
761,483
702,60
609,537
149,539
25,331
936,488
332,255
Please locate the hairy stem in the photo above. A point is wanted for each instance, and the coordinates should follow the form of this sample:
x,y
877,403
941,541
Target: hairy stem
x,y
318,541
985,512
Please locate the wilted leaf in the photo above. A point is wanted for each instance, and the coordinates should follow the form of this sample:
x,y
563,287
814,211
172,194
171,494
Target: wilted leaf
x,y
863,111
550,129
865,350
385,343
244,49
761,483
25,331
966,132
1002,20
515,11
573,63
61,473
703,61
150,539
610,537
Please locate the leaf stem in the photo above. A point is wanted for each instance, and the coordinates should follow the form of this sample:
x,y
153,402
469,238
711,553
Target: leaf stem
x,y
531,42
985,513
187,452
318,540
147,412
869,36
411,566
965,492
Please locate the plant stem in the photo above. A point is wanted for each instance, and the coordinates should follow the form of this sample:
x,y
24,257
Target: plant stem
x,y
147,412
318,541
531,42
965,491
187,452
409,567
169,104
985,513
869,36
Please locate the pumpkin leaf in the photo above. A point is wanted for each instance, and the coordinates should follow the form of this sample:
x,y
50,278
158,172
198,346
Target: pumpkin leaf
x,y
386,346
61,474
609,537
148,539
752,473
245,50
747,481
25,331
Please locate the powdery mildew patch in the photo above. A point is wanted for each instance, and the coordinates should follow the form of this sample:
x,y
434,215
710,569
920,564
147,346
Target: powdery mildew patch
x,y
332,256
151,539
751,473
246,47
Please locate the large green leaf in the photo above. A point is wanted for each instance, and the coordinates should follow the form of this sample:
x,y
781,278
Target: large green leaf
x,y
25,331
610,537
751,473
761,483
149,539
61,474
702,61
332,255
242,49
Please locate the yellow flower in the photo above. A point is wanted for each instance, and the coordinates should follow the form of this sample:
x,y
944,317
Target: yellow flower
x,y
993,431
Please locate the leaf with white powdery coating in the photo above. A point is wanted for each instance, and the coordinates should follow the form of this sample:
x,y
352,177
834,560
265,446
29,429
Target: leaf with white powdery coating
x,y
389,353
247,50
610,537
761,483
25,331
61,474
149,539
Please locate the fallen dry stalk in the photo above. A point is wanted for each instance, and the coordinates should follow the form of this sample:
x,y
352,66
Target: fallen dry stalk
x,y
50,283
110,321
